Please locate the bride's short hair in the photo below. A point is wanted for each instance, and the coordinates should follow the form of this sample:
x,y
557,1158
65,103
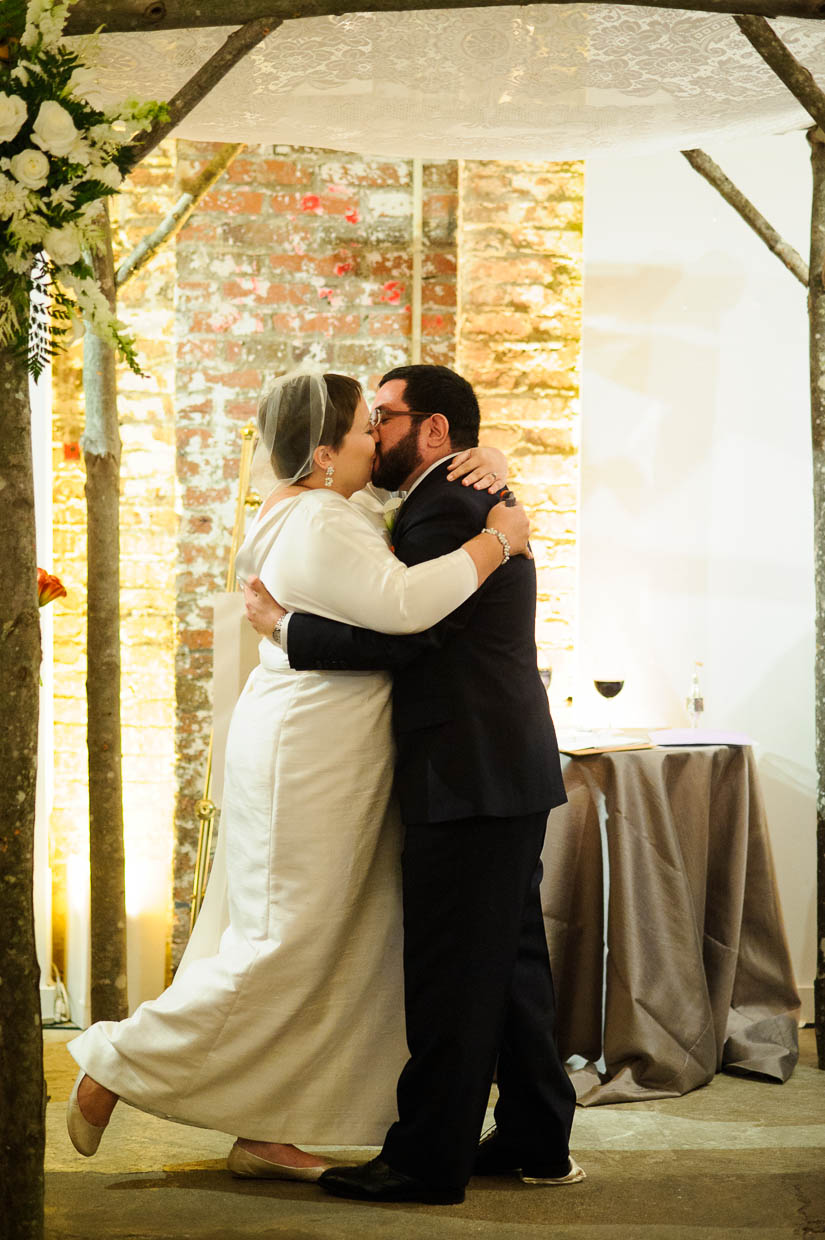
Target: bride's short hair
x,y
289,447
343,395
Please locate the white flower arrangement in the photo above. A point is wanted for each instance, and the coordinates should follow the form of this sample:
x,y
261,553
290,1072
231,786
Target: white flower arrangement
x,y
60,155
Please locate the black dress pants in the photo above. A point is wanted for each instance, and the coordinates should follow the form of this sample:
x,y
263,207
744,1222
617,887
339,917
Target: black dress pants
x,y
478,989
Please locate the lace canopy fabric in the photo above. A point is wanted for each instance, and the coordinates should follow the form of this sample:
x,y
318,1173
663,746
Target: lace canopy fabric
x,y
534,82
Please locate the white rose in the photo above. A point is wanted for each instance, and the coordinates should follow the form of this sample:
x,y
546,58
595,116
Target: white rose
x,y
62,246
54,129
107,174
12,114
30,168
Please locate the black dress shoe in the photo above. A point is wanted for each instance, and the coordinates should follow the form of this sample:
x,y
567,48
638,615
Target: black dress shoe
x,y
495,1156
375,1181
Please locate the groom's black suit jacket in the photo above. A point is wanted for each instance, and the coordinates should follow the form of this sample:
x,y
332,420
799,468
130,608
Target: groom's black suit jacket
x,y
470,713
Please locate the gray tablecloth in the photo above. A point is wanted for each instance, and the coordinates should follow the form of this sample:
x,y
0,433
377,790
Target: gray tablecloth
x,y
697,975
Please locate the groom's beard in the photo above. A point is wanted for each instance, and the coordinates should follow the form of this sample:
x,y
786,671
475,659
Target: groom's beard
x,y
394,466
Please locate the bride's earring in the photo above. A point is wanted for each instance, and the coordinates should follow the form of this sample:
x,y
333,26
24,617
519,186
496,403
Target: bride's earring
x,y
330,474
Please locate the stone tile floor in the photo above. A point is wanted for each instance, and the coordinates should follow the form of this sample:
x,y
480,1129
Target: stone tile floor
x,y
739,1159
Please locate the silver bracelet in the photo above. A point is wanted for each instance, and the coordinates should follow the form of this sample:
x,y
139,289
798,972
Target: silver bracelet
x,y
276,632
502,538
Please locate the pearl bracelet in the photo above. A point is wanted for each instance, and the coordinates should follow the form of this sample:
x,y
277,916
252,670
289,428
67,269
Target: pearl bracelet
x,y
502,538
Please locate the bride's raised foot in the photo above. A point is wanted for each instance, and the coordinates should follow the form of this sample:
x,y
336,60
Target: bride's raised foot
x,y
268,1160
89,1111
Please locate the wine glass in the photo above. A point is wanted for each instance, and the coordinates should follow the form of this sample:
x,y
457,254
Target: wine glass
x,y
608,689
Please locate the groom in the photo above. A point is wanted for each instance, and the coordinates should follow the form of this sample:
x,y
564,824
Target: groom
x,y
477,772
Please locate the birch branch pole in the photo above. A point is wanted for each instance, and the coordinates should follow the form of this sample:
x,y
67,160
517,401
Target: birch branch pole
x,y
800,82
788,69
120,15
22,1090
145,251
101,449
816,319
704,165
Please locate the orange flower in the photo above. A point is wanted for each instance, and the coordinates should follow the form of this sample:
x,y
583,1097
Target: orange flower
x,y
49,587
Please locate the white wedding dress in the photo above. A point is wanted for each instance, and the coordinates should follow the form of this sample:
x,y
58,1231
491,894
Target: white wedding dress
x,y
291,1028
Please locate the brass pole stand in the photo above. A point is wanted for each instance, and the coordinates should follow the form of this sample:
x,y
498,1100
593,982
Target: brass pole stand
x,y
205,808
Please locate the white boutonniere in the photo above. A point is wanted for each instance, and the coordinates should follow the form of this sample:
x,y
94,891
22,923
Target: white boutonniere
x,y
391,512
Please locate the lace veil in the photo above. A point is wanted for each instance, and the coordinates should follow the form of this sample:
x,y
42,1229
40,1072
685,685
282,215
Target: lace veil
x,y
290,427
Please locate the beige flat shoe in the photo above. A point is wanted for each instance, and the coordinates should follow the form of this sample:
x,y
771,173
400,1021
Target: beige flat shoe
x,y
85,1137
574,1176
249,1166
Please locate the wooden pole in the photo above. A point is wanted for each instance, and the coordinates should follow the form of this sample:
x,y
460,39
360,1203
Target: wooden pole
x,y
801,83
787,68
146,249
101,447
22,1092
88,15
816,307
714,175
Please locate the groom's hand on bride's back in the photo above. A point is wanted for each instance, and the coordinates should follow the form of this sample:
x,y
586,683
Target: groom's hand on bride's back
x,y
262,612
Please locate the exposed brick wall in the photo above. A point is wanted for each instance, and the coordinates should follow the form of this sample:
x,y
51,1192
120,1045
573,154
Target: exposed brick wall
x,y
296,254
519,337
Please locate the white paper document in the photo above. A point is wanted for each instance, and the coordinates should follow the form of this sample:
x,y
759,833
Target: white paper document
x,y
585,741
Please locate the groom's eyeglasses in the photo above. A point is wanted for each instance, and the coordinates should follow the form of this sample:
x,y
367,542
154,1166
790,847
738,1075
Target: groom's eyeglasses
x,y
379,415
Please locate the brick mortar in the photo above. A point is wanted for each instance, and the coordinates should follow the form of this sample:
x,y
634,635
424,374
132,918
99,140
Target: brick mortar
x,y
519,327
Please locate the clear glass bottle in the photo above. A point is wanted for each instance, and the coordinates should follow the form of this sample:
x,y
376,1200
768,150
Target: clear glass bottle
x,y
694,702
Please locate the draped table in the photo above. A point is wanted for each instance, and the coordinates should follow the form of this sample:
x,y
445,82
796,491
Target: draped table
x,y
668,850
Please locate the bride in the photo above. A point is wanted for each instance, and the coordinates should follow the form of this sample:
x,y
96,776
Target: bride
x,y
292,1027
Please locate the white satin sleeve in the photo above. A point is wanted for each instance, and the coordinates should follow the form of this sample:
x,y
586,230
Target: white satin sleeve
x,y
370,503
329,560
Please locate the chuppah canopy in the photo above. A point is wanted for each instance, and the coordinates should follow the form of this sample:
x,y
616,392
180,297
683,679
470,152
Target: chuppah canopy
x,y
535,82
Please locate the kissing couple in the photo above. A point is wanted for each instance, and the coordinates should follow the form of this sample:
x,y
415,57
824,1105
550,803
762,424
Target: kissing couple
x,y
299,1001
